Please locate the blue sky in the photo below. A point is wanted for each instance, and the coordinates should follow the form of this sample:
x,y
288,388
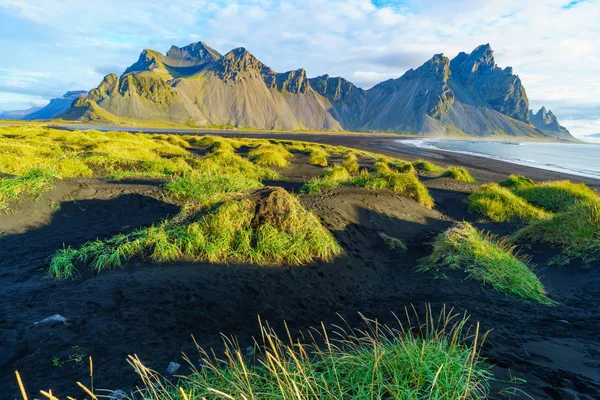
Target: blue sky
x,y
51,46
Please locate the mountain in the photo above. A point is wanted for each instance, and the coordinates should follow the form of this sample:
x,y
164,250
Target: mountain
x,y
546,121
17,114
196,85
56,106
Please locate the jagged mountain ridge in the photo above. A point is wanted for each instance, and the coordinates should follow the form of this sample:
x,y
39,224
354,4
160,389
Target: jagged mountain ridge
x,y
52,109
547,122
196,85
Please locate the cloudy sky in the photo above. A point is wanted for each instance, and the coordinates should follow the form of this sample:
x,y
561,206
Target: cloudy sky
x,y
51,46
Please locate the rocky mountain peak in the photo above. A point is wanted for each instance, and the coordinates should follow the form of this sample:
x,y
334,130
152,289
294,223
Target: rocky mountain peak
x,y
148,61
193,54
546,121
239,61
437,67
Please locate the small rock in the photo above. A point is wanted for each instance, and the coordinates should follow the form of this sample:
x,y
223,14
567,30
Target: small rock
x,y
52,319
564,321
249,351
118,395
173,367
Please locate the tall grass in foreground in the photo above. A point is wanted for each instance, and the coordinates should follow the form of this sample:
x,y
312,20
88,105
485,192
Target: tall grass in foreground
x,y
556,196
34,183
268,227
576,231
435,358
486,259
500,205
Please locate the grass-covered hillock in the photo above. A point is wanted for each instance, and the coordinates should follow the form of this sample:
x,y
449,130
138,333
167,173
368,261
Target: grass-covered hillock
x,y
500,205
517,182
576,231
487,259
427,166
405,183
556,196
439,359
270,155
458,174
267,227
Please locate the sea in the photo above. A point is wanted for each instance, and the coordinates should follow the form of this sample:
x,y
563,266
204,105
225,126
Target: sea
x,y
573,158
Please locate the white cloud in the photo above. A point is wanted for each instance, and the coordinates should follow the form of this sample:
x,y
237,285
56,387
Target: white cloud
x,y
555,51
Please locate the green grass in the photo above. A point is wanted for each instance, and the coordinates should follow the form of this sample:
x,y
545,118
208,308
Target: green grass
x,y
403,166
317,156
270,155
391,242
486,259
458,174
517,182
438,359
406,184
33,184
210,185
269,227
351,162
336,173
500,205
426,166
576,231
556,196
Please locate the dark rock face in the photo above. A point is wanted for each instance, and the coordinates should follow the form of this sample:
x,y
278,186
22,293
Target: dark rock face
x,y
547,122
498,88
469,94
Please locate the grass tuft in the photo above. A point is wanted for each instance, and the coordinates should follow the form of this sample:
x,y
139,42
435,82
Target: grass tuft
x,y
576,231
268,227
426,166
436,360
337,173
459,174
486,259
34,183
317,156
270,155
351,162
500,205
556,196
517,182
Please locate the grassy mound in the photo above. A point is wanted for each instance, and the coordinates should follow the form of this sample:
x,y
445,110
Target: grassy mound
x,y
500,205
403,166
351,162
317,156
556,196
517,182
486,259
32,184
336,173
406,184
458,174
437,360
576,231
270,155
268,227
426,166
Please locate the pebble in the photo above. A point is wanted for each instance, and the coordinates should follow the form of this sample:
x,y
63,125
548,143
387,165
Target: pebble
x,y
52,319
249,351
118,395
173,367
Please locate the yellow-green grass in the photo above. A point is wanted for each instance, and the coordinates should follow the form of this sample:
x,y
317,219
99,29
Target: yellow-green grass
x,y
576,231
406,184
318,156
381,166
270,155
458,174
427,166
351,162
403,166
33,184
89,153
269,227
211,185
556,196
487,259
337,173
517,182
438,359
501,205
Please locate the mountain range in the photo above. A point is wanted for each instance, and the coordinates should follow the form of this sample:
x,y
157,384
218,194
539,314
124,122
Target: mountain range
x,y
197,86
51,110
